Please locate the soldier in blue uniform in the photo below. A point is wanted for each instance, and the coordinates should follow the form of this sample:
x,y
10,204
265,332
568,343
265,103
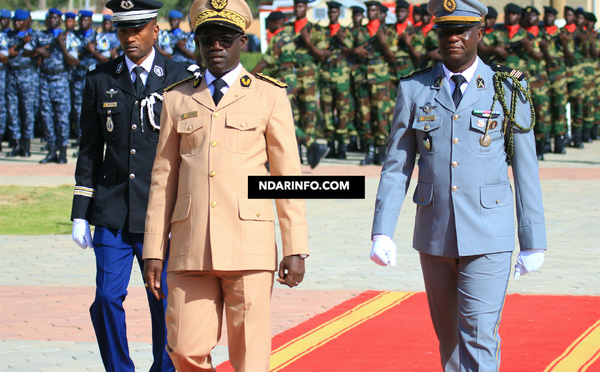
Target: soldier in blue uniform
x,y
465,119
21,76
70,21
107,42
183,42
54,85
120,125
4,28
86,36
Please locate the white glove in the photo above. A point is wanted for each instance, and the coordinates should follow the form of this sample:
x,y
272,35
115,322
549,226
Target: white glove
x,y
81,233
529,261
383,250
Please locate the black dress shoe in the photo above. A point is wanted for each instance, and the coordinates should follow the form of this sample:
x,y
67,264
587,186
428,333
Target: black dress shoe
x,y
380,156
331,154
315,153
341,151
62,156
51,157
370,156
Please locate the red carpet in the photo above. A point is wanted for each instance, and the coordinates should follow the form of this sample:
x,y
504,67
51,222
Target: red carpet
x,y
392,331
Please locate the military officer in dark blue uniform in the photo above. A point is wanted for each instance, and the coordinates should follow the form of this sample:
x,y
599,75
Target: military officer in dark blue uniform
x,y
86,36
21,76
120,125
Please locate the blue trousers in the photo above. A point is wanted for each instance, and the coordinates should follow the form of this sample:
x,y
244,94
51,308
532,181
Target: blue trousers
x,y
115,250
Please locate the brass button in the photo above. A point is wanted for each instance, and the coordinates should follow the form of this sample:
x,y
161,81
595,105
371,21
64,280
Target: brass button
x,y
243,125
455,163
109,112
426,127
454,188
178,214
212,173
421,199
132,151
132,176
136,102
189,128
455,116
134,126
257,214
497,201
213,204
455,140
213,144
215,115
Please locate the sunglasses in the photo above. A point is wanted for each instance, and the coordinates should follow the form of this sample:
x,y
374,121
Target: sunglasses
x,y
226,41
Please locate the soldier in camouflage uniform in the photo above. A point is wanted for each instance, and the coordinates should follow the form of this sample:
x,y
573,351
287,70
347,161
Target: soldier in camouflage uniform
x,y
310,48
21,76
405,50
4,28
489,36
537,53
595,44
86,36
555,42
334,84
54,84
372,46
588,75
428,41
574,60
354,110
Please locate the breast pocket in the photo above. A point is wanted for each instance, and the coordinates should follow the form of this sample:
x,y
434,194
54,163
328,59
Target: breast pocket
x,y
497,209
479,144
110,114
192,132
428,130
242,132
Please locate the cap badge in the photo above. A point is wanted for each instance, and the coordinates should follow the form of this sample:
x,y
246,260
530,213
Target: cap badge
x,y
218,4
126,4
449,5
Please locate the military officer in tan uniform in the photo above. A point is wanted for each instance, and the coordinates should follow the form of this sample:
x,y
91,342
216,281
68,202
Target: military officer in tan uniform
x,y
216,130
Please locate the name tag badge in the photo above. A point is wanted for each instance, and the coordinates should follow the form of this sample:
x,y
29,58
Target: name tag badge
x,y
109,104
426,118
188,115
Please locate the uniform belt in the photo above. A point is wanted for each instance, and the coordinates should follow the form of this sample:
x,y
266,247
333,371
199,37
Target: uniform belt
x,y
337,64
402,67
376,61
80,67
22,67
53,72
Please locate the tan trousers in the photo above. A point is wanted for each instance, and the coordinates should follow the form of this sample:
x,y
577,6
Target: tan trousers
x,y
195,315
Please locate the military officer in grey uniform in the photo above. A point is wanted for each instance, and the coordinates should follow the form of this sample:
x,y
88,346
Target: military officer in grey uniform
x,y
464,225
120,125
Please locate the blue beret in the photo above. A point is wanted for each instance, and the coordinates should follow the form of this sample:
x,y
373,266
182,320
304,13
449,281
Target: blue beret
x,y
107,17
54,11
175,14
70,15
21,15
5,13
85,13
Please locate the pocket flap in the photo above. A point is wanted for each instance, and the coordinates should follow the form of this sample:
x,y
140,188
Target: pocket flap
x,y
241,121
496,195
186,126
182,208
110,107
256,209
423,194
427,123
479,124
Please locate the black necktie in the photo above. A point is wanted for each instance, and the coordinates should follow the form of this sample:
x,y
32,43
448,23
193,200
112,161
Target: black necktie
x,y
457,94
217,94
138,83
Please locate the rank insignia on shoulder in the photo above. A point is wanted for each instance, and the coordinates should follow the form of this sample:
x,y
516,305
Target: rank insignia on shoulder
x,y
519,75
271,80
486,113
245,81
480,82
438,81
415,73
92,67
119,68
190,78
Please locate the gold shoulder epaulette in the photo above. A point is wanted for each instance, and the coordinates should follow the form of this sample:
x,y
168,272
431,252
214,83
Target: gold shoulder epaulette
x,y
187,79
415,73
519,75
271,80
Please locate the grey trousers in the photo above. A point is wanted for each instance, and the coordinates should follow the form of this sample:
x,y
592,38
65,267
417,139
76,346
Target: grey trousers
x,y
466,297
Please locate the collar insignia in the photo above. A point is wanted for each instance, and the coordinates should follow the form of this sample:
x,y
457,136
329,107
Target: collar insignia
x,y
120,68
427,108
197,81
438,81
245,81
480,82
158,71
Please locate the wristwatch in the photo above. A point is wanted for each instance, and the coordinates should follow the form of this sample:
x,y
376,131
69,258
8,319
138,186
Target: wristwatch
x,y
302,256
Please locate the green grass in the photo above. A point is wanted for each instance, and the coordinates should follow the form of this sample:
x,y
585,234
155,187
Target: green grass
x,y
31,210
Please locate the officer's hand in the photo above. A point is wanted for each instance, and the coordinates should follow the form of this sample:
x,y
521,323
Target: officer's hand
x,y
43,51
113,53
81,233
12,52
383,250
544,44
61,38
90,47
27,39
361,51
407,37
380,35
291,271
529,261
341,35
152,277
501,52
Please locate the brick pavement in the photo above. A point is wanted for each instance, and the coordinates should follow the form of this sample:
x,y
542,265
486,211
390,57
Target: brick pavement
x,y
46,284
